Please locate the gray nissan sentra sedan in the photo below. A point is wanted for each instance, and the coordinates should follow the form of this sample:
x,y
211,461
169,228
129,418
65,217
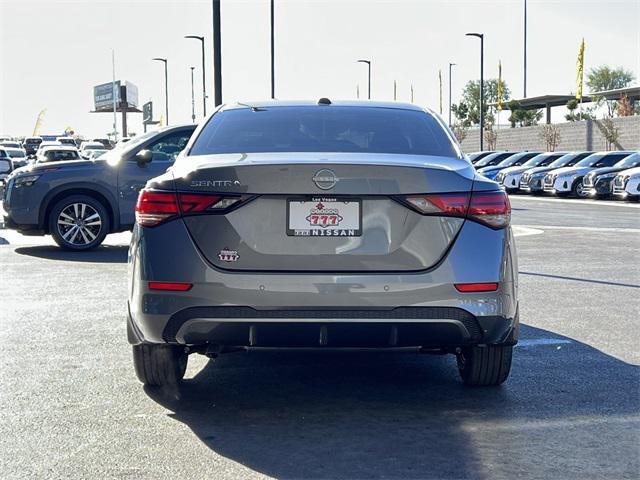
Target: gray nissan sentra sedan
x,y
326,225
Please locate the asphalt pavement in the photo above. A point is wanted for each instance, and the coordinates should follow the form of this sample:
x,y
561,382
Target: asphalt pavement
x,y
71,407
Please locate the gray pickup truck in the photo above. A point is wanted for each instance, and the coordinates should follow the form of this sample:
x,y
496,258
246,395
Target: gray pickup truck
x,y
79,202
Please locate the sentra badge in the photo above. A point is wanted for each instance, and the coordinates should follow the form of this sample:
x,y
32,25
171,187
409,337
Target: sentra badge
x,y
214,183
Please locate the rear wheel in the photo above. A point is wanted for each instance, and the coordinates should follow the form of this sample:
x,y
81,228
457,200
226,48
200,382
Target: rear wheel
x,y
78,222
158,365
485,366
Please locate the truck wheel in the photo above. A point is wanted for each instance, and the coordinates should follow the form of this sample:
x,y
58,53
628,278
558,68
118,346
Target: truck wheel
x,y
485,366
78,222
158,365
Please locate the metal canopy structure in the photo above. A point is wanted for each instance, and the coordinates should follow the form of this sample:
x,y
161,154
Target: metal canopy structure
x,y
543,101
632,93
548,101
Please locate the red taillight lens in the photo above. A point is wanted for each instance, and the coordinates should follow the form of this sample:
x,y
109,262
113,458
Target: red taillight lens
x,y
476,287
444,203
153,207
170,286
490,208
193,202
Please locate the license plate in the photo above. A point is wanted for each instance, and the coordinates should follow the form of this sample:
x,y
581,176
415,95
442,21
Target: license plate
x,y
324,217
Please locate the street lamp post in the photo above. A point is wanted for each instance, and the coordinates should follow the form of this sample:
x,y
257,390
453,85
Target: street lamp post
x,y
204,78
450,65
273,54
166,88
525,48
481,37
217,54
193,99
368,62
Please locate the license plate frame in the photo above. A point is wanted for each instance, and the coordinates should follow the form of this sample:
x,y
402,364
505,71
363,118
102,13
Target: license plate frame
x,y
343,205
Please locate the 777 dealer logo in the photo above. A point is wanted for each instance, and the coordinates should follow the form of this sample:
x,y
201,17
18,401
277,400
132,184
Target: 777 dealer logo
x,y
320,216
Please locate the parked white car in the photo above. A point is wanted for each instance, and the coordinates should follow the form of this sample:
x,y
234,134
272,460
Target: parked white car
x,y
627,184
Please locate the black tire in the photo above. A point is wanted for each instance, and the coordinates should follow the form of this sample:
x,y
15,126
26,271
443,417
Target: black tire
x,y
485,366
158,365
87,234
577,189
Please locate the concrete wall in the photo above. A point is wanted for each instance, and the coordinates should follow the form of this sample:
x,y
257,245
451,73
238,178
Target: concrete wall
x,y
584,135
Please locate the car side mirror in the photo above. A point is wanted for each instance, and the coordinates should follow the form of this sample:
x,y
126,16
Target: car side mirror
x,y
143,157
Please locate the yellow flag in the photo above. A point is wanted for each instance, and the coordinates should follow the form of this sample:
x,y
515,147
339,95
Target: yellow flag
x,y
161,122
440,79
580,74
500,86
38,124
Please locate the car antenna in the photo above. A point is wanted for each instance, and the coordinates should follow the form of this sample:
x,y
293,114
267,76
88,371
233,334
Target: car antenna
x,y
252,107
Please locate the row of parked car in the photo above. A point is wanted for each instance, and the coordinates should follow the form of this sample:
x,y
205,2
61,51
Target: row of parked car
x,y
35,150
577,174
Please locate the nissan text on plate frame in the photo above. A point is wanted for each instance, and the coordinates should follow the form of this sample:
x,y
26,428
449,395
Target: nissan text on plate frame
x,y
325,225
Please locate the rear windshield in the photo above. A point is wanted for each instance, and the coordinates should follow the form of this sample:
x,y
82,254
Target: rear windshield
x,y
16,153
60,155
35,141
324,129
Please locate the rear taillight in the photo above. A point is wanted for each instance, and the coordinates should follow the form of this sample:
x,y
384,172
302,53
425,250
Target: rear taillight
x,y
154,207
444,203
490,208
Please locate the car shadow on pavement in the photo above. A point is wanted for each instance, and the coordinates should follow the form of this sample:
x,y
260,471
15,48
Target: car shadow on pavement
x,y
101,254
333,415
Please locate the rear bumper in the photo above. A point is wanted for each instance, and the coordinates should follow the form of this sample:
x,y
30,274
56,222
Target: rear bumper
x,y
314,328
416,308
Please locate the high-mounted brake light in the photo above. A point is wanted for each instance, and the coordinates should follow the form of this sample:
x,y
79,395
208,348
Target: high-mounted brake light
x,y
490,208
476,287
153,208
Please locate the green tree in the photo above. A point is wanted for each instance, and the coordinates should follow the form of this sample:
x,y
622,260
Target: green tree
x,y
604,78
521,117
468,110
574,116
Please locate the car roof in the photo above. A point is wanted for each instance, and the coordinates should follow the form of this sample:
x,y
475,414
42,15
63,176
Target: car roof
x,y
48,148
312,103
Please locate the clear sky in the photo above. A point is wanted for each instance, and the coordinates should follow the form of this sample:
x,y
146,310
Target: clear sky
x,y
53,52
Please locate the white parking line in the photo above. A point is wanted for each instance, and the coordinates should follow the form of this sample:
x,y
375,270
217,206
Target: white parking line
x,y
523,231
580,229
585,201
535,342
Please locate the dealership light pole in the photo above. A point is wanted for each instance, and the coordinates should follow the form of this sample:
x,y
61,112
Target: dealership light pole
x,y
450,65
368,62
525,48
273,54
166,88
217,55
113,95
481,37
193,99
204,78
